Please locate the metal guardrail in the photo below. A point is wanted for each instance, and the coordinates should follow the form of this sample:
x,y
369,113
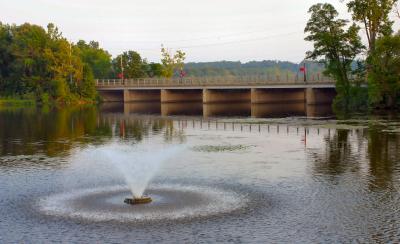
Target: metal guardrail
x,y
213,81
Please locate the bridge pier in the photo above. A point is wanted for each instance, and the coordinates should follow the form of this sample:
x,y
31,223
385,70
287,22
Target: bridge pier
x,y
320,95
277,95
226,95
141,95
181,95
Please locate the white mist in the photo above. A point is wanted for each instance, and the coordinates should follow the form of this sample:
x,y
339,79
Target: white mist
x,y
138,164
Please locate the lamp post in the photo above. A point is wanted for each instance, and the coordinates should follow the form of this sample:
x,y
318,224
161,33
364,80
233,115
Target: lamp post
x,y
303,69
122,70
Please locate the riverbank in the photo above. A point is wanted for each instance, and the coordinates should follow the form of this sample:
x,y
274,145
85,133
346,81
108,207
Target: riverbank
x,y
23,102
14,102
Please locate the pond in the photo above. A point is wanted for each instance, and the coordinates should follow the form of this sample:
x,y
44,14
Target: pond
x,y
216,173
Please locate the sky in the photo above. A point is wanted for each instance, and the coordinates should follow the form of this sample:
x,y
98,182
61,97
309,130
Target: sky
x,y
207,30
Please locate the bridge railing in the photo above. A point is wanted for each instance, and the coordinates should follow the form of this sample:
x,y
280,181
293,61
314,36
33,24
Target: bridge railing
x,y
213,81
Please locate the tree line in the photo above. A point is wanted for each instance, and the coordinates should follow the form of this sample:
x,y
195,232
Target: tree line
x,y
252,68
41,64
367,76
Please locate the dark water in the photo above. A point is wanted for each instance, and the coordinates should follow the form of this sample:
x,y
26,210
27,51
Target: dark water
x,y
248,174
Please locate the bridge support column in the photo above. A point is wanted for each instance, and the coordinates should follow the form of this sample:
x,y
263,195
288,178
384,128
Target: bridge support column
x,y
320,95
226,95
141,95
176,96
277,95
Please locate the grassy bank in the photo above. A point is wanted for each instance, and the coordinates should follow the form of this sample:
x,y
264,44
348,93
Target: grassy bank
x,y
16,102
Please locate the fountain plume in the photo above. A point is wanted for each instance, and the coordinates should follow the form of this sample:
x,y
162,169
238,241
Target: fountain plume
x,y
138,164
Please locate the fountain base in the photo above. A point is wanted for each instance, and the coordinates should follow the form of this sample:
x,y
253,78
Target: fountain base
x,y
135,201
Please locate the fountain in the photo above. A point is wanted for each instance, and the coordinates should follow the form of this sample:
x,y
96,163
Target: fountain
x,y
106,200
137,163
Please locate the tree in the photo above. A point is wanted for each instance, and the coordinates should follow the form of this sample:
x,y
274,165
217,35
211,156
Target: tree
x,y
374,16
172,63
98,59
87,87
384,76
35,61
155,70
6,59
132,63
337,46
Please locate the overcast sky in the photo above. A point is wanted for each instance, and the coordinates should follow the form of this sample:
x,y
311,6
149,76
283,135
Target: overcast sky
x,y
207,30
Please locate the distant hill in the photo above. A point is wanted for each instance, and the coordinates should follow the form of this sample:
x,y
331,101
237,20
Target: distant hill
x,y
266,67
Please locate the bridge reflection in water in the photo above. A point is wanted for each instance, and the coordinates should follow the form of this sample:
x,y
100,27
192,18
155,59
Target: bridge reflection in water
x,y
241,109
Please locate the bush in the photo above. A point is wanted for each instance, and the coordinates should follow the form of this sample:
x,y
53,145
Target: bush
x,y
357,101
44,98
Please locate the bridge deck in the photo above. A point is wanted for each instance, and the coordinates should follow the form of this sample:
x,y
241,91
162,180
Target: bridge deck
x,y
214,83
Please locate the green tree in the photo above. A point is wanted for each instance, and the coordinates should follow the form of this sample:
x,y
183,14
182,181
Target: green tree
x,y
6,59
373,15
132,63
337,46
87,87
155,70
98,59
384,75
171,63
40,62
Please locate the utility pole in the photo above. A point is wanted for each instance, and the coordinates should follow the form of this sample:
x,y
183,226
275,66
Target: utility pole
x,y
122,69
70,63
304,70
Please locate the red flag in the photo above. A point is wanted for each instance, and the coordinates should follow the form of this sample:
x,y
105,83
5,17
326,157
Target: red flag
x,y
302,69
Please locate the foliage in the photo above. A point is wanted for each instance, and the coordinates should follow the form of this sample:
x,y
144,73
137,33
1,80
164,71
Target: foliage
x,y
154,70
42,62
87,87
374,17
384,75
172,63
383,55
98,59
133,66
337,46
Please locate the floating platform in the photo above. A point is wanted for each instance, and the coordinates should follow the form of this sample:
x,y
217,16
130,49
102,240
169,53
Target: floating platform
x,y
135,201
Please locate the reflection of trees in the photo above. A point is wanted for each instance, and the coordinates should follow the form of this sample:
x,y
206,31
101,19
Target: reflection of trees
x,y
337,157
54,132
383,154
137,128
171,133
340,155
48,131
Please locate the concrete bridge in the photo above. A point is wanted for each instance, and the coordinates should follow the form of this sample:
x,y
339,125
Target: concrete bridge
x,y
208,90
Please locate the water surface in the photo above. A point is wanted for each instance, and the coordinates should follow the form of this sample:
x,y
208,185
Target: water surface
x,y
291,178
